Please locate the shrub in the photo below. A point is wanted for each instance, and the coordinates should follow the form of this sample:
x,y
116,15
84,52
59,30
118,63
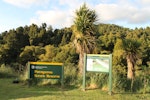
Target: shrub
x,y
6,71
96,80
70,74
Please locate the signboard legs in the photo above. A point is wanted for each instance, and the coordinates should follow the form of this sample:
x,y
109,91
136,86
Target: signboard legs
x,y
110,75
62,79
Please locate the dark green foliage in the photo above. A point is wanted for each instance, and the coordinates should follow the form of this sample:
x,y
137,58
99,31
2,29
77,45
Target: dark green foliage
x,y
30,53
49,54
67,54
66,38
121,83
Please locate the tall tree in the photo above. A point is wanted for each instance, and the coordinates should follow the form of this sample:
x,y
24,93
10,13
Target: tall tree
x,y
84,31
131,48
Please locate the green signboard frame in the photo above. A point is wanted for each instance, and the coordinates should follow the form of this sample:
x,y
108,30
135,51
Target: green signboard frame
x,y
46,70
98,63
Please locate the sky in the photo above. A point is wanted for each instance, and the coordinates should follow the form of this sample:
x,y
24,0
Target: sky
x,y
61,13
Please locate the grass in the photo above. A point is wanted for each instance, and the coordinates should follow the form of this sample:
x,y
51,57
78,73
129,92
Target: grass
x,y
10,91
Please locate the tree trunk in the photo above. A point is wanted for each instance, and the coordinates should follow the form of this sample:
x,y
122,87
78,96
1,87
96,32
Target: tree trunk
x,y
81,62
130,64
80,50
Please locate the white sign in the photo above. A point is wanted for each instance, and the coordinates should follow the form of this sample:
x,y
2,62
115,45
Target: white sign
x,y
97,63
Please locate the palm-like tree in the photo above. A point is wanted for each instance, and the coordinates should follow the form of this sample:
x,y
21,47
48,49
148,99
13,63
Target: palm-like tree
x,y
84,30
131,48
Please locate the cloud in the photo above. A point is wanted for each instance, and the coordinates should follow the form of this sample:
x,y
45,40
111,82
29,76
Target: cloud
x,y
70,3
144,2
26,3
124,11
56,18
60,13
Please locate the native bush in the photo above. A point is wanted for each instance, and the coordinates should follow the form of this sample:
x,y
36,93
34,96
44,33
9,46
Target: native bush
x,y
97,80
7,71
141,82
70,74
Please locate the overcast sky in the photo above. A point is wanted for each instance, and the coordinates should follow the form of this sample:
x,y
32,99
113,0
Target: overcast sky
x,y
60,13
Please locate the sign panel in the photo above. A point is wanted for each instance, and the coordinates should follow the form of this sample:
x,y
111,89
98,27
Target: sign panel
x,y
98,63
45,70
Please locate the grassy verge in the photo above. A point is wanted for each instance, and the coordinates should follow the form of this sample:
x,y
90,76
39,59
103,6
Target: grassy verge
x,y
10,91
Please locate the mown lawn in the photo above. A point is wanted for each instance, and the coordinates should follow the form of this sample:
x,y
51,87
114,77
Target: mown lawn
x,y
10,91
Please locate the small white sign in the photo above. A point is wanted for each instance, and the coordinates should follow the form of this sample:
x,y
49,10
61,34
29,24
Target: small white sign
x,y
97,63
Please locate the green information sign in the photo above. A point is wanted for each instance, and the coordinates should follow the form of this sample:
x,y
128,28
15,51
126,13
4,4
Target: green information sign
x,y
46,70
98,63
